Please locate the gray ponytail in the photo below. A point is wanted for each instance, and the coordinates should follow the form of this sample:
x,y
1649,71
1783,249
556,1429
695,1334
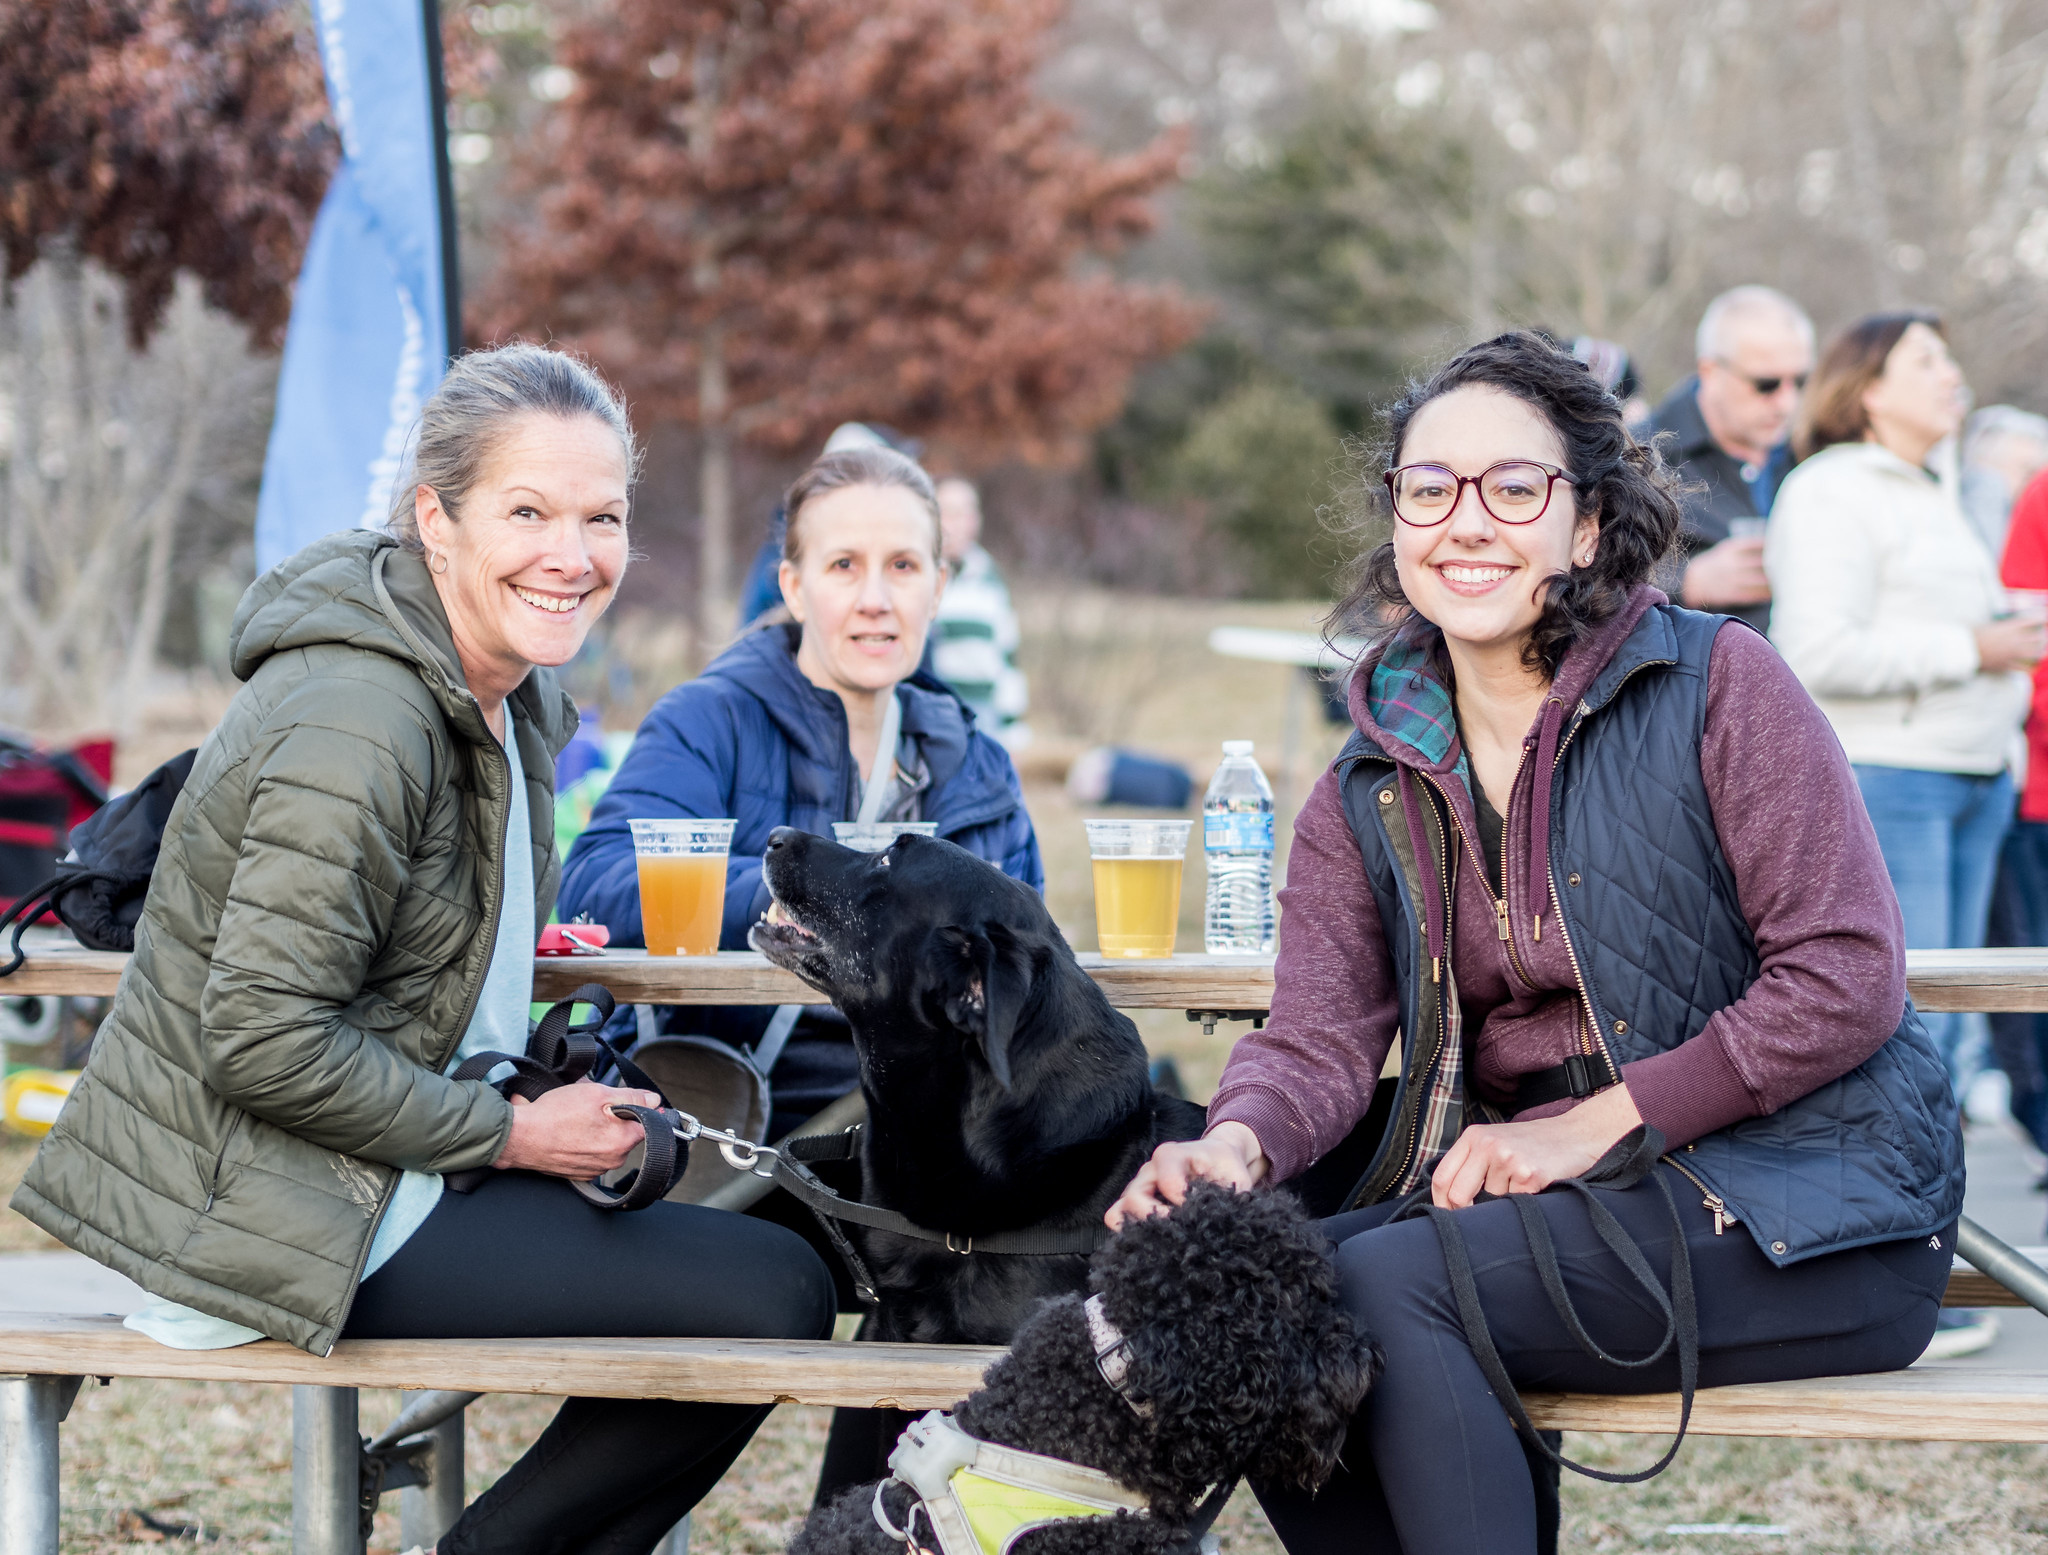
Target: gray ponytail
x,y
482,394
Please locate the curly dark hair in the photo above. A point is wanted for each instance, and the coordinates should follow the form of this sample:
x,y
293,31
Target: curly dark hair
x,y
1620,479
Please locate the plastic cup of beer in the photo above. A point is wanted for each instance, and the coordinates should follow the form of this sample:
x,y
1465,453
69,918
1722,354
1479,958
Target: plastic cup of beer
x,y
682,883
874,836
1137,885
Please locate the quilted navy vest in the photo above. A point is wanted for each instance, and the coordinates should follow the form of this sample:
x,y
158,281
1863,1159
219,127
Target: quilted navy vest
x,y
1654,917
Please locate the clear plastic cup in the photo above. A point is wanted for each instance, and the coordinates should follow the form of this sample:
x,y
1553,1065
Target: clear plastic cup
x,y
1137,885
682,883
873,836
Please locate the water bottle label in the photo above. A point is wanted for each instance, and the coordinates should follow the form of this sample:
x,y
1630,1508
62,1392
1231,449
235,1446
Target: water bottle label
x,y
1234,831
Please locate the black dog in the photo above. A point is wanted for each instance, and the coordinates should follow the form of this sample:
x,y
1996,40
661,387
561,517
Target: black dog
x,y
1003,1092
1216,1346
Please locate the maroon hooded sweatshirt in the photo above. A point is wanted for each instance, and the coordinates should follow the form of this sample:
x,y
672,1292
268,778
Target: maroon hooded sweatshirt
x,y
1809,876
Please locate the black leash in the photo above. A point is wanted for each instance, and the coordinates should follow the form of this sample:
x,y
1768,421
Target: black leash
x,y
1632,1159
788,1170
560,1053
793,1174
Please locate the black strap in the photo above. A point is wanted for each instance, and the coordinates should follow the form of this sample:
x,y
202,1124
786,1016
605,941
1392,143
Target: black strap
x,y
560,1053
792,1175
1577,1077
1624,1166
32,905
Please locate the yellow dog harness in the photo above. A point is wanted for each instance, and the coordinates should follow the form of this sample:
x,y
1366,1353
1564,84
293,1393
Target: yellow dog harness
x,y
980,1497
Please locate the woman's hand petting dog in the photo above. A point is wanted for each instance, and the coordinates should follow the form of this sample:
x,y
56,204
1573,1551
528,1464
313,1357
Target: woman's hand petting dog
x,y
568,1132
1229,1154
1528,1157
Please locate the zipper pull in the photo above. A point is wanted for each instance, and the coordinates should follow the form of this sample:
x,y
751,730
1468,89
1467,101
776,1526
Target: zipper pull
x,y
1722,1219
1436,969
1539,927
1500,917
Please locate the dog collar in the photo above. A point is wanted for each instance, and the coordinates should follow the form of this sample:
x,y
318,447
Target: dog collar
x,y
1112,1354
980,1497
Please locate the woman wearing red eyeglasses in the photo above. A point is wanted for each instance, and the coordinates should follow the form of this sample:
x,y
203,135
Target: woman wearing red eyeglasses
x,y
1663,1115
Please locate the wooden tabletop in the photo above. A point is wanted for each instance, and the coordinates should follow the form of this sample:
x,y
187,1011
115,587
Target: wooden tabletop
x,y
1938,979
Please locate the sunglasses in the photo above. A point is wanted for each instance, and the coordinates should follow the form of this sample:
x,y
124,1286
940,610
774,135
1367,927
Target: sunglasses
x,y
1765,386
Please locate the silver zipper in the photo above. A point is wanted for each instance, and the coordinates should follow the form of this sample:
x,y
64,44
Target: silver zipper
x,y
1724,1217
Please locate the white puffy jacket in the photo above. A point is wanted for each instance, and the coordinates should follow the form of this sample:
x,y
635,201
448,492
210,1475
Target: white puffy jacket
x,y
1878,582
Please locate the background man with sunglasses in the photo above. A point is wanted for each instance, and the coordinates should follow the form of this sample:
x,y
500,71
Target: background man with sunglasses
x,y
1727,431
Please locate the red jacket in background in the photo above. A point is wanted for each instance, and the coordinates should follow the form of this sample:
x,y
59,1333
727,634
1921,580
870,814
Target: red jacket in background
x,y
2026,567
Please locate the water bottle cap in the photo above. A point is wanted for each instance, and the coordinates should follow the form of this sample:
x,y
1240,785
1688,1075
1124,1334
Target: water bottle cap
x,y
1237,747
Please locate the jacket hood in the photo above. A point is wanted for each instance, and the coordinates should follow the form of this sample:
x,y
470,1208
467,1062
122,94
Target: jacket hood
x,y
813,720
360,589
1873,457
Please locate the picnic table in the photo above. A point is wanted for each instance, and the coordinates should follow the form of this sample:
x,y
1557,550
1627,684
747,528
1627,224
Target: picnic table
x,y
44,1357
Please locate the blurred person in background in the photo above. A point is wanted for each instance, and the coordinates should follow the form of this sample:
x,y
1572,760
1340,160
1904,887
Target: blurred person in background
x,y
2019,899
795,725
2004,448
974,639
761,589
1609,362
1889,608
1726,432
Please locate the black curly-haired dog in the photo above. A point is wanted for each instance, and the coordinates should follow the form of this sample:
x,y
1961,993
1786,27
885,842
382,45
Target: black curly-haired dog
x,y
1219,1348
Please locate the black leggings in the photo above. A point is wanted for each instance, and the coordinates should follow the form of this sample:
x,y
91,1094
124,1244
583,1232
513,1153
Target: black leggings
x,y
1434,1467
525,1257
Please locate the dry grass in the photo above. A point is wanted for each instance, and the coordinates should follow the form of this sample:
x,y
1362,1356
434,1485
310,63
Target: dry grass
x,y
218,1456
16,1234
1138,672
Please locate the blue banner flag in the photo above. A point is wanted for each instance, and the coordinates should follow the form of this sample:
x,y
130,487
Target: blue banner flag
x,y
376,310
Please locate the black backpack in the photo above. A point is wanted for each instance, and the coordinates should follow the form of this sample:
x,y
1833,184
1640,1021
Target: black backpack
x,y
99,890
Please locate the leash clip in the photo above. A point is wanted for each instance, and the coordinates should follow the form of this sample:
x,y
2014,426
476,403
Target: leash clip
x,y
741,1154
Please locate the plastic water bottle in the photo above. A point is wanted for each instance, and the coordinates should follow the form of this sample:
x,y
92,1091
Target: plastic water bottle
x,y
1237,837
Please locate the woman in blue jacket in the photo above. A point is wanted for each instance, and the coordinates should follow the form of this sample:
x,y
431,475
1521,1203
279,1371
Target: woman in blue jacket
x,y
785,729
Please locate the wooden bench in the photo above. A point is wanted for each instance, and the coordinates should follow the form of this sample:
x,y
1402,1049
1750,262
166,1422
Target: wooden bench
x,y
45,1357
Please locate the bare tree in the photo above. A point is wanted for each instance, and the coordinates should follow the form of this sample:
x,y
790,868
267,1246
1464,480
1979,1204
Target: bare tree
x,y
1859,153
101,447
1626,159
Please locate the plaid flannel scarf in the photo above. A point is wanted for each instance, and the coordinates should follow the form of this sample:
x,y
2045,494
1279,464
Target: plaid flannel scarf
x,y
1410,699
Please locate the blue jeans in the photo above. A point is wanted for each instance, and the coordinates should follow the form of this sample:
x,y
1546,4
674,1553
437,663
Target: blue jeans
x,y
1940,833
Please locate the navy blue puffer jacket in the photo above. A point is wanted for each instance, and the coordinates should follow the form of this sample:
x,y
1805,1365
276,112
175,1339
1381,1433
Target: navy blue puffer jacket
x,y
751,738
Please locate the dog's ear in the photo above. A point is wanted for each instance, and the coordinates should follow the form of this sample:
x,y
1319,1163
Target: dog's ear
x,y
987,979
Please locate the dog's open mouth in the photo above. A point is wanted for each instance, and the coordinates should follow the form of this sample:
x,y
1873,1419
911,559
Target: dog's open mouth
x,y
783,940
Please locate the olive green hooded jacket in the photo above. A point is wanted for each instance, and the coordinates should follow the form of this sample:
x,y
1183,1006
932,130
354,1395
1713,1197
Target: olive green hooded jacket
x,y
314,942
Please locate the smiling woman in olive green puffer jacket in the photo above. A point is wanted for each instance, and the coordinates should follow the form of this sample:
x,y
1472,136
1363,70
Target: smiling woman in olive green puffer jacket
x,y
274,1055
344,910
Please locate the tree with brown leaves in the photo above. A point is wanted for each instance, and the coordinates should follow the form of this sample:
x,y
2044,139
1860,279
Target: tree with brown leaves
x,y
156,157
155,136
769,216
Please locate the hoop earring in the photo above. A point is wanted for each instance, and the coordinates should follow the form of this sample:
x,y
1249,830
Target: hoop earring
x,y
438,562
